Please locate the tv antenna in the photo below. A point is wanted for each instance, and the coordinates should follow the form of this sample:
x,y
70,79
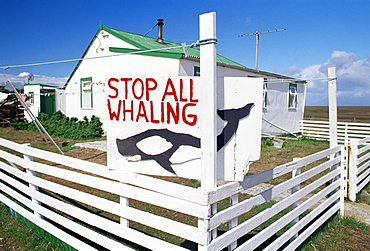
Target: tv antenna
x,y
257,34
30,77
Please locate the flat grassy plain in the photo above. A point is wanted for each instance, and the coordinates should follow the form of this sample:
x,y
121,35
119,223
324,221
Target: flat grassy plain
x,y
21,237
356,114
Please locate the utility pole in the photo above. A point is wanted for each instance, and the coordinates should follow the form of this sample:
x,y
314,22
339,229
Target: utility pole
x,y
257,34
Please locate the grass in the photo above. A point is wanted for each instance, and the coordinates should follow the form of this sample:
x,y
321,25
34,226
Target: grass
x,y
340,234
17,233
364,196
270,157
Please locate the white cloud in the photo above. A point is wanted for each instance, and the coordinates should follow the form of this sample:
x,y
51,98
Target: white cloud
x,y
353,79
22,78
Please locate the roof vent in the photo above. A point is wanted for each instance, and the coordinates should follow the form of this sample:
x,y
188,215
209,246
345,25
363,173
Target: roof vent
x,y
160,31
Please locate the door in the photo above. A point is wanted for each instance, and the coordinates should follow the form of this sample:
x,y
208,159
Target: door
x,y
47,101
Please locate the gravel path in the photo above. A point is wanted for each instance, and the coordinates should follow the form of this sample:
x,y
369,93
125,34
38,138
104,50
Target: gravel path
x,y
100,145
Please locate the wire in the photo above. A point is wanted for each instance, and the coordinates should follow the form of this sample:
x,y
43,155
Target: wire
x,y
205,41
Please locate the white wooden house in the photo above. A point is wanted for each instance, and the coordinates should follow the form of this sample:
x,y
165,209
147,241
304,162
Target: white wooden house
x,y
114,53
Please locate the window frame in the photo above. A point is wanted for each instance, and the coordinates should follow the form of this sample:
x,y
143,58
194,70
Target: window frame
x,y
85,90
292,96
32,97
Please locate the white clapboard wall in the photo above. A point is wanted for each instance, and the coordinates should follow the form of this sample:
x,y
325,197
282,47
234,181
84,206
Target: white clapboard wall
x,y
47,193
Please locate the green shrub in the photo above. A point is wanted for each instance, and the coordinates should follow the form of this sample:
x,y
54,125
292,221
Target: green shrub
x,y
62,126
20,125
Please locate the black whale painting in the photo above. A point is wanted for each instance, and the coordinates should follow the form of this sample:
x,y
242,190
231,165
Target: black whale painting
x,y
129,146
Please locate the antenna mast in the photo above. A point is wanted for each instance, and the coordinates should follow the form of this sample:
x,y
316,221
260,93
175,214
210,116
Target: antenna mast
x,y
257,34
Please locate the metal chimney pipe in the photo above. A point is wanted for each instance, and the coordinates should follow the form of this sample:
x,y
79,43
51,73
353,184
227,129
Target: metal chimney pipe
x,y
160,31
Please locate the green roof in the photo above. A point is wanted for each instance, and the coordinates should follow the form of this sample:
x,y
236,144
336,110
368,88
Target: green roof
x,y
148,43
145,43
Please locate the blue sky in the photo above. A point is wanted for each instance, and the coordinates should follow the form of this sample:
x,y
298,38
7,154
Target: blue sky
x,y
319,33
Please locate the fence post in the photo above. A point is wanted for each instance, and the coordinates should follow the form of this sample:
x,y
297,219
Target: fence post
x,y
332,92
343,176
234,199
352,169
208,122
124,202
295,189
32,173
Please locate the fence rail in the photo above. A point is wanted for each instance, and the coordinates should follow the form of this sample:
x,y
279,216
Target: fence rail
x,y
91,205
320,130
359,166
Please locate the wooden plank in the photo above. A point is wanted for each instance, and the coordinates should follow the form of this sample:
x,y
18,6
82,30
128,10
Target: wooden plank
x,y
363,184
273,173
57,158
363,167
69,224
164,187
354,124
229,189
246,205
102,223
281,240
315,122
353,135
354,128
115,187
349,124
364,149
363,158
311,229
270,230
315,126
63,236
363,176
158,222
245,227
365,140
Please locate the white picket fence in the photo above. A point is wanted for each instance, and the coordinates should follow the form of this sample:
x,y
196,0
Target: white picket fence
x,y
51,193
359,166
320,130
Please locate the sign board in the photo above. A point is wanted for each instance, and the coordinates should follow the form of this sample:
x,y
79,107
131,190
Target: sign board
x,y
154,125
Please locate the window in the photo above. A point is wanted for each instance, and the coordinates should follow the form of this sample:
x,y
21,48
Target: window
x,y
292,96
86,93
196,71
32,98
264,101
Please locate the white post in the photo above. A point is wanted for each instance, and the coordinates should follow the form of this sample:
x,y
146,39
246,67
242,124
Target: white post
x,y
208,102
295,189
124,202
207,28
32,173
332,87
352,169
343,178
234,199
